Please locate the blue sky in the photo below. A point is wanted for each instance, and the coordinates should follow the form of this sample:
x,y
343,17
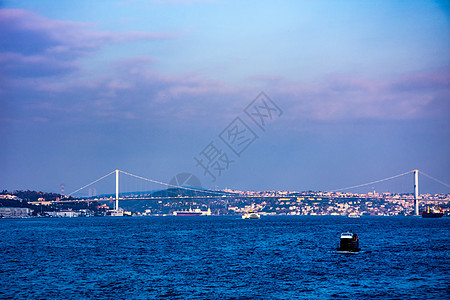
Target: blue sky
x,y
87,87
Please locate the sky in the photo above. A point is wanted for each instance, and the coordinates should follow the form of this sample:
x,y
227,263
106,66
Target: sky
x,y
246,95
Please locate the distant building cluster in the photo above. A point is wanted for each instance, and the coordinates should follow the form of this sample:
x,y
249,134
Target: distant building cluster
x,y
229,202
332,203
10,197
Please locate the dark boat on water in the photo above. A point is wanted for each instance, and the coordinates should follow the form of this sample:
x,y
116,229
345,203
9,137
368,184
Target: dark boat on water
x,y
349,243
435,212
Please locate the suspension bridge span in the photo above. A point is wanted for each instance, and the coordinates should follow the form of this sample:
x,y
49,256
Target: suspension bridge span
x,y
209,194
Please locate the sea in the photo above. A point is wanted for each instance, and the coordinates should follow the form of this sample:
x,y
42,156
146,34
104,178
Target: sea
x,y
223,257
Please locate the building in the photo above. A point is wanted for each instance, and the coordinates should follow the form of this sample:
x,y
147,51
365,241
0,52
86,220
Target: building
x,y
11,197
14,212
64,214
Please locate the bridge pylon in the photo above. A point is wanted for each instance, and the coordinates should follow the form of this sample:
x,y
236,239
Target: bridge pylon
x,y
416,192
117,190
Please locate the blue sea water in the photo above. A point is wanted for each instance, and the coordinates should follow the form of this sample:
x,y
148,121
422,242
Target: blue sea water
x,y
276,257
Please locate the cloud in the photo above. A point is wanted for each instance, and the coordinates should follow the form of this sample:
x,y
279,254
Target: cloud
x,y
129,89
181,2
422,81
339,97
134,90
19,65
32,42
41,60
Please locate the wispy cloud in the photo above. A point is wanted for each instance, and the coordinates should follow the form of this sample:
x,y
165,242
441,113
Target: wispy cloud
x,y
182,2
133,89
45,61
52,46
338,97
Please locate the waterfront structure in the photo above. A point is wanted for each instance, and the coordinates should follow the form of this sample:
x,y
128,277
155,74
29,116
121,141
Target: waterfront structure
x,y
14,212
116,213
64,214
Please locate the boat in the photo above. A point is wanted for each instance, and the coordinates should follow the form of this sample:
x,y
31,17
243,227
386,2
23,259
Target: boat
x,y
192,212
187,213
251,215
434,212
349,243
353,215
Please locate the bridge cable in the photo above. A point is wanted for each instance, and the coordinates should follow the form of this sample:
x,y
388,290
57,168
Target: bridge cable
x,y
381,180
168,184
90,183
437,180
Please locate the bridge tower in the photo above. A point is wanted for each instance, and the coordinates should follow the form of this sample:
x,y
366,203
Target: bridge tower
x,y
416,192
117,190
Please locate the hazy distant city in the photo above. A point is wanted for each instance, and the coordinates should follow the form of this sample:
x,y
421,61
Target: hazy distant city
x,y
231,202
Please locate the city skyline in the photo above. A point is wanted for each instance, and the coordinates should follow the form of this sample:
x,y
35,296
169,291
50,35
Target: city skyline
x,y
358,92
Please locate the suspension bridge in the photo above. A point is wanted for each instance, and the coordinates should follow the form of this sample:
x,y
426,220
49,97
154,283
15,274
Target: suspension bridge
x,y
195,193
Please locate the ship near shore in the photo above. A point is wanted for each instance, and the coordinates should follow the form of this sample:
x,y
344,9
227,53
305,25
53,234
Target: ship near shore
x,y
434,212
192,212
353,215
251,215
